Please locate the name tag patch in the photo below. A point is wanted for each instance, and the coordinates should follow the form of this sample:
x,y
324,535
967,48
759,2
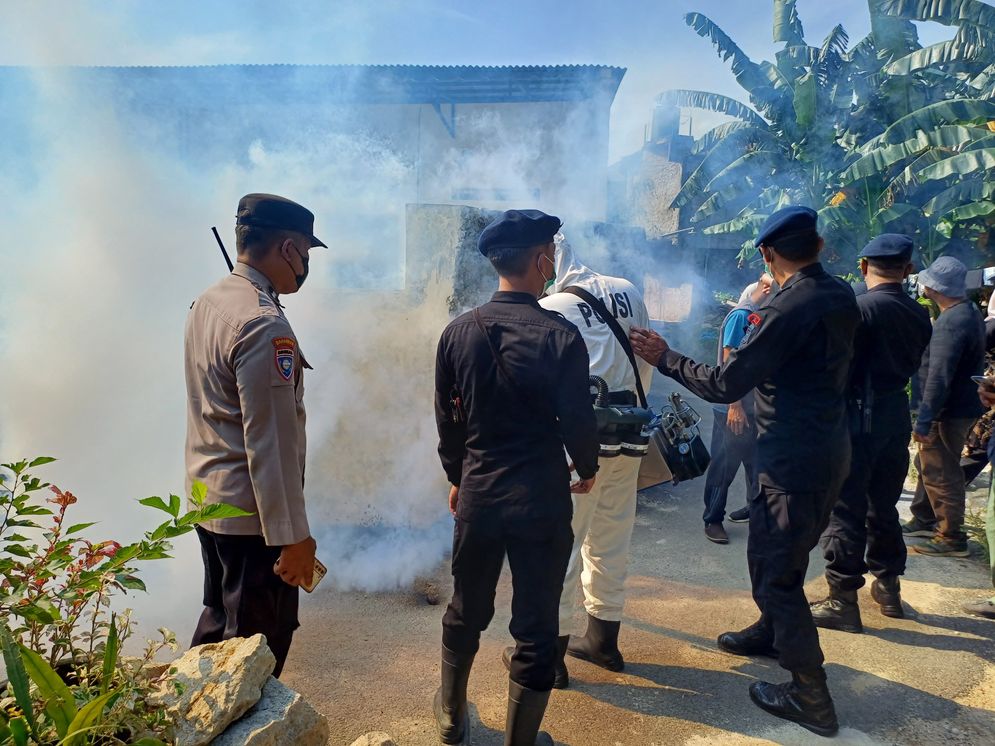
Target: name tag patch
x,y
284,349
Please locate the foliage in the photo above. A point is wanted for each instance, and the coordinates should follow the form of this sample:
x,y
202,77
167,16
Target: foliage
x,y
882,136
68,681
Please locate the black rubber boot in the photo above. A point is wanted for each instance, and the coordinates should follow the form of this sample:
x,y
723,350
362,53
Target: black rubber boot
x,y
451,713
561,678
804,700
754,640
838,611
525,710
599,645
887,592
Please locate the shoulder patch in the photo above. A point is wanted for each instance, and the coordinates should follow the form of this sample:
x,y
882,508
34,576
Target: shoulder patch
x,y
284,353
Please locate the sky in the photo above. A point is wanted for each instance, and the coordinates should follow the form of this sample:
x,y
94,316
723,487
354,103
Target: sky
x,y
647,37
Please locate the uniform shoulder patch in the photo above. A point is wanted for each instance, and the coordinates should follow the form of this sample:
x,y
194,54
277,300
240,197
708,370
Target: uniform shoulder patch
x,y
284,354
754,319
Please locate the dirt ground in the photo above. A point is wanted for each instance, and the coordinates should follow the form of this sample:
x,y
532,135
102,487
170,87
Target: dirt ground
x,y
370,662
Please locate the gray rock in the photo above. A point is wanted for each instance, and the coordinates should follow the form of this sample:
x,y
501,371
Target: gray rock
x,y
281,716
212,686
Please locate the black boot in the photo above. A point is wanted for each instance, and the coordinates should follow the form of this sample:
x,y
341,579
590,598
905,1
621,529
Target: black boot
x,y
804,700
525,710
887,592
754,640
599,645
562,677
838,611
451,713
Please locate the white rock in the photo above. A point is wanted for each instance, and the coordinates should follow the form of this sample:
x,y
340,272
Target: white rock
x,y
213,685
374,739
281,716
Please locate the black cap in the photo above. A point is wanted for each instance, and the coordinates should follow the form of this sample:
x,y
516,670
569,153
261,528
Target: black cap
x,y
888,246
788,224
518,229
271,211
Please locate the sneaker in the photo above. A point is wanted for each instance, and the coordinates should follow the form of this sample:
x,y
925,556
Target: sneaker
x,y
716,533
984,608
937,547
740,516
913,527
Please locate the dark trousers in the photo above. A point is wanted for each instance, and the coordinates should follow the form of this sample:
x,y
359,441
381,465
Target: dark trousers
x,y
940,494
728,451
784,527
865,518
537,555
242,594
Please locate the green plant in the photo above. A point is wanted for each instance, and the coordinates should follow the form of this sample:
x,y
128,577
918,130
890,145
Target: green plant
x,y
68,683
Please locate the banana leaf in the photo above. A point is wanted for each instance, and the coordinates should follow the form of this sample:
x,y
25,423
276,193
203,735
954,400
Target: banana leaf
x,y
946,12
960,193
711,102
980,209
746,71
744,223
730,199
951,137
943,53
897,211
805,100
719,133
971,163
787,25
955,111
715,162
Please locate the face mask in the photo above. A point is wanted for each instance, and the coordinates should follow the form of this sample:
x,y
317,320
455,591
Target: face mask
x,y
552,279
299,278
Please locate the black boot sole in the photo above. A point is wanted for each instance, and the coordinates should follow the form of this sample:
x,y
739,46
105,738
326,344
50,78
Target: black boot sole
x,y
450,739
855,629
608,665
826,731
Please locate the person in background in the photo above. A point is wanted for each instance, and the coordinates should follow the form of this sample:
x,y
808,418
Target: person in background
x,y
985,608
888,348
511,392
796,355
948,408
734,434
975,456
245,429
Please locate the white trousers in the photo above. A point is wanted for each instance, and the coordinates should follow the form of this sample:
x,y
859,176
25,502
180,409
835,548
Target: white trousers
x,y
602,526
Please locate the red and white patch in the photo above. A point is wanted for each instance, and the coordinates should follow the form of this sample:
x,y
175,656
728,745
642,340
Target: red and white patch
x,y
284,355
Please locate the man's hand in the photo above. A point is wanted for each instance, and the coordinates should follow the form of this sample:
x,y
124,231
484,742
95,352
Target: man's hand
x,y
296,563
736,419
987,396
649,345
453,499
583,486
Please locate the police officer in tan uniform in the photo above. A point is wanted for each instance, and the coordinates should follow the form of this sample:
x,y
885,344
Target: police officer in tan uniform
x,y
245,429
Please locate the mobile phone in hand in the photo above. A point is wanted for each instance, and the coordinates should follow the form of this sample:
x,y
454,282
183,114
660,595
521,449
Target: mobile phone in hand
x,y
319,572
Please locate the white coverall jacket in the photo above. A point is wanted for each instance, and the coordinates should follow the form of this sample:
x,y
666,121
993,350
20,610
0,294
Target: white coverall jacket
x,y
603,519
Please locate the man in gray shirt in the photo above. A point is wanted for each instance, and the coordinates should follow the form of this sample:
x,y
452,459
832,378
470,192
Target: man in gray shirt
x,y
947,410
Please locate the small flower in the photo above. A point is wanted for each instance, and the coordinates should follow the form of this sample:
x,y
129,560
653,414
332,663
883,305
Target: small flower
x,y
62,499
107,548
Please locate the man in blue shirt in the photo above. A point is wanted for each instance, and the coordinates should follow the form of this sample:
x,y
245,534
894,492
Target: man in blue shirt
x,y
734,435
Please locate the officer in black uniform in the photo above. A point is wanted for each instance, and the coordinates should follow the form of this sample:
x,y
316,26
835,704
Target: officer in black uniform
x,y
511,391
797,355
892,336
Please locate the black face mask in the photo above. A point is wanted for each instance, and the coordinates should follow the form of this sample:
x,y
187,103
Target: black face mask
x,y
299,278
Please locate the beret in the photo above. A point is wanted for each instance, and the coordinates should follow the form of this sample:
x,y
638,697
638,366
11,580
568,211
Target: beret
x,y
787,223
518,229
271,211
888,246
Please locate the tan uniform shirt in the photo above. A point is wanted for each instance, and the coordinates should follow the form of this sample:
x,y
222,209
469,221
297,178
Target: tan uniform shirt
x,y
245,408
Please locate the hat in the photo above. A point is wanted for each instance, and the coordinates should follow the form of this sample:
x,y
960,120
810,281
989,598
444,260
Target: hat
x,y
888,246
271,211
788,224
946,276
518,229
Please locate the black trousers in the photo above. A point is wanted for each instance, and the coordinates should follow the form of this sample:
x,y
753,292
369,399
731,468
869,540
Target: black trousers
x,y
784,528
865,518
728,451
242,594
537,553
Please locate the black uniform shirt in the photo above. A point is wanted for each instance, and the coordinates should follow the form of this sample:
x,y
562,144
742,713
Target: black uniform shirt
x,y
798,358
893,333
507,455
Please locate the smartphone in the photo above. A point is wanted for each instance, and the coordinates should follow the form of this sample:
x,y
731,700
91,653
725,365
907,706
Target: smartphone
x,y
988,383
319,572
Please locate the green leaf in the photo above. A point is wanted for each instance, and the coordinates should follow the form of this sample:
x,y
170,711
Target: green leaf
x,y
960,193
155,502
949,137
947,12
955,111
88,717
174,505
75,528
748,74
973,162
35,612
40,461
932,56
18,731
17,550
198,492
973,210
711,102
17,677
131,582
787,25
110,654
61,705
34,510
804,100
214,511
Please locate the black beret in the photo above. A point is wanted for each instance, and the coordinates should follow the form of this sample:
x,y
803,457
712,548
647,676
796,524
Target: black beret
x,y
888,246
271,211
518,229
788,224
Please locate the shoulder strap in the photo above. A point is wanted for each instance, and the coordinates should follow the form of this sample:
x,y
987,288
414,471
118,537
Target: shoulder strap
x,y
502,369
609,318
